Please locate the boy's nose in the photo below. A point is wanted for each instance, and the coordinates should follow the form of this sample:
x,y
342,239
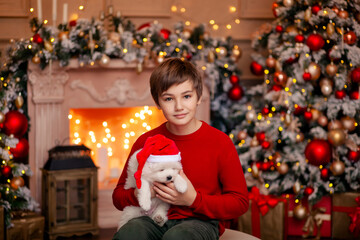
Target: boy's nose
x,y
178,105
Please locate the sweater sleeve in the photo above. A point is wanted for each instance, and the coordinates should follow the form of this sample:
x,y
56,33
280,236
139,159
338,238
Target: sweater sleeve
x,y
125,197
233,201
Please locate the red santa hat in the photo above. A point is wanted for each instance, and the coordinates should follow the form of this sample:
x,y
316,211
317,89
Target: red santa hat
x,y
157,148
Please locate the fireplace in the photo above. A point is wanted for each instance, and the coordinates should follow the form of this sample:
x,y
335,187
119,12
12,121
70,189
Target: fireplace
x,y
56,96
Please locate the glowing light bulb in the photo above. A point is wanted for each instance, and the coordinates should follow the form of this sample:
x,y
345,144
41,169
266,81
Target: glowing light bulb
x,y
173,8
126,141
105,124
109,149
212,21
112,139
81,7
108,135
237,21
98,145
232,9
149,112
132,120
142,117
107,130
76,135
91,133
105,140
93,140
132,133
110,154
126,146
77,121
228,26
148,127
137,114
215,27
123,125
182,10
187,23
127,135
70,116
31,9
144,124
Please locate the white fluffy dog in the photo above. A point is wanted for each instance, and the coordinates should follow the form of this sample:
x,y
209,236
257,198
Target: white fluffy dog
x,y
164,172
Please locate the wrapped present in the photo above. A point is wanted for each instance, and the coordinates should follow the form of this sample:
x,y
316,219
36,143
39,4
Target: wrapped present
x,y
316,222
28,227
346,216
266,217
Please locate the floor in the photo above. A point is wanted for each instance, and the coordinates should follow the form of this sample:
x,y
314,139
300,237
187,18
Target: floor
x,y
104,234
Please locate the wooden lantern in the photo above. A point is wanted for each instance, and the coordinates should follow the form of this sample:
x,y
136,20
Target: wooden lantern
x,y
69,192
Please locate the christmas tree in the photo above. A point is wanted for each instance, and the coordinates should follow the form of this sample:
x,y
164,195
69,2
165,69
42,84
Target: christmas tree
x,y
299,131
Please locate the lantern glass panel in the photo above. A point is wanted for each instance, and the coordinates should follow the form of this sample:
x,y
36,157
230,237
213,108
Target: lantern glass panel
x,y
61,196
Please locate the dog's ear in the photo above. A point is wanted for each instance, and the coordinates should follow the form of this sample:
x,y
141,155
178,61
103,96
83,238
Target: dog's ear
x,y
144,195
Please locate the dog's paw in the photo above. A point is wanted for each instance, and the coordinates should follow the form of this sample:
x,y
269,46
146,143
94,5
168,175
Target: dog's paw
x,y
146,205
180,184
160,220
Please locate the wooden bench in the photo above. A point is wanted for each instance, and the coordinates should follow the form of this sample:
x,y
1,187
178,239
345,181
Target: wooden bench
x,y
236,235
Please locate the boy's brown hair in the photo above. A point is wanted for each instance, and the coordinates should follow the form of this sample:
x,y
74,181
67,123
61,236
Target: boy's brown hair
x,y
174,71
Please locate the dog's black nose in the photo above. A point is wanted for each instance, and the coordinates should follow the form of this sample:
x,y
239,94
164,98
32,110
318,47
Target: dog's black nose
x,y
168,178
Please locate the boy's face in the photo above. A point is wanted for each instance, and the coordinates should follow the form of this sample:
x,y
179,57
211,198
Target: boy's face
x,y
179,103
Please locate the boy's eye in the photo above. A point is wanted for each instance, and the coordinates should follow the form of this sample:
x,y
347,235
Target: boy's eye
x,y
187,96
168,99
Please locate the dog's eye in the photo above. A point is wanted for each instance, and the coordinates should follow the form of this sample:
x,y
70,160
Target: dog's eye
x,y
162,170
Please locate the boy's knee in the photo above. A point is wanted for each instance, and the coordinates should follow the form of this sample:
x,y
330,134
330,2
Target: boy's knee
x,y
134,229
179,233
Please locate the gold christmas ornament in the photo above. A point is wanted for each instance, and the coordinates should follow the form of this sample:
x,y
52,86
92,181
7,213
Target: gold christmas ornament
x,y
326,89
330,29
17,182
187,33
300,137
19,101
343,14
235,53
241,135
104,60
336,137
33,28
337,167
292,29
139,68
211,57
36,59
278,66
48,46
254,142
348,123
17,79
2,117
250,115
300,212
334,124
63,35
283,168
255,171
270,62
307,14
81,34
326,81
315,114
322,121
288,119
288,3
314,70
296,187
331,69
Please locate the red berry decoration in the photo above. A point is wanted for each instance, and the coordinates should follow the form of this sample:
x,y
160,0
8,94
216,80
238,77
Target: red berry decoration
x,y
235,93
234,79
279,29
308,191
350,38
315,8
15,123
307,76
265,111
299,38
340,94
37,39
324,173
308,115
354,95
165,33
355,75
353,156
260,136
22,149
256,68
265,145
318,152
315,42
6,171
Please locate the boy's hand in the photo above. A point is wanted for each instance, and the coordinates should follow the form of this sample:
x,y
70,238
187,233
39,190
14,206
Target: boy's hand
x,y
168,193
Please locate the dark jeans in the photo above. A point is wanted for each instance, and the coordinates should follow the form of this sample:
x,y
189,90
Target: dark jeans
x,y
144,228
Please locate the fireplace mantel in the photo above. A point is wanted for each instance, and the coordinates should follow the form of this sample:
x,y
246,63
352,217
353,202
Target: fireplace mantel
x,y
52,92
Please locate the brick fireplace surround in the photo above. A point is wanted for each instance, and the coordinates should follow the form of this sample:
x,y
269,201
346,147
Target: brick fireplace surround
x,y
52,92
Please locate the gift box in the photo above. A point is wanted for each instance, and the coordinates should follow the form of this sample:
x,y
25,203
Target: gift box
x,y
28,227
266,217
346,216
318,216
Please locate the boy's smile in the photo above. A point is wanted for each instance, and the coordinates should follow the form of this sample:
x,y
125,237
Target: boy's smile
x,y
179,104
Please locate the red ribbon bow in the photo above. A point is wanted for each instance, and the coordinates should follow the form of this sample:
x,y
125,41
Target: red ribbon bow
x,y
355,219
263,202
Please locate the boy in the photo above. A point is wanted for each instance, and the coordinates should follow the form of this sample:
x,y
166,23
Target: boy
x,y
217,189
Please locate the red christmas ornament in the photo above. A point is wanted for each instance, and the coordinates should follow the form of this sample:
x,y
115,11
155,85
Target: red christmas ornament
x,y
265,111
308,191
265,145
276,88
165,33
256,68
354,95
37,39
350,38
324,174
22,149
234,79
6,171
315,42
340,94
315,8
15,123
265,166
235,93
353,156
355,75
318,152
308,115
279,29
299,38
260,136
307,76
280,78
72,23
